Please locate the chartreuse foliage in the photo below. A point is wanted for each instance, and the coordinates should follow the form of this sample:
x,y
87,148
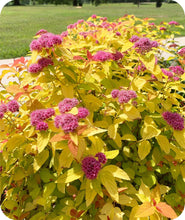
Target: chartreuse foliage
x,y
143,176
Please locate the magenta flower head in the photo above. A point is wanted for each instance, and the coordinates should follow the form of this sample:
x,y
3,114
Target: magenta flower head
x,y
42,126
40,32
167,73
102,56
13,106
163,29
115,93
82,113
3,108
174,120
49,113
93,16
177,69
67,122
118,33
182,52
64,34
134,38
101,157
35,45
67,104
173,23
116,56
1,115
91,167
144,45
44,62
35,68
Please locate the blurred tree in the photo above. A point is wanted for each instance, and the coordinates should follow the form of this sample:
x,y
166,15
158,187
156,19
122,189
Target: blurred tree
x,y
158,3
16,2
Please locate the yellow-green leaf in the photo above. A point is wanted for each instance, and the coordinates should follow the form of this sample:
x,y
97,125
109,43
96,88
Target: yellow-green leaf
x,y
126,200
180,137
19,174
145,210
71,175
107,179
163,143
112,130
40,159
42,140
131,112
144,148
149,131
15,141
117,172
90,193
48,189
111,154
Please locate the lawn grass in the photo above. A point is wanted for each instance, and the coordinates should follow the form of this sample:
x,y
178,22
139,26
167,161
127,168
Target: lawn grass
x,y
18,24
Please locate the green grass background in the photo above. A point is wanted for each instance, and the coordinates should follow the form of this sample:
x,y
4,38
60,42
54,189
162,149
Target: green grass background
x,y
18,24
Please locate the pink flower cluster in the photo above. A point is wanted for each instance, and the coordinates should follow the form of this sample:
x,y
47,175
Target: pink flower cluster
x,y
177,70
37,67
104,56
144,45
91,166
64,34
163,29
173,23
123,96
69,122
170,75
134,38
182,52
46,40
12,106
39,116
174,120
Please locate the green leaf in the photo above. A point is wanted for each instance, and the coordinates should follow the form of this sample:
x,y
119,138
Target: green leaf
x,y
116,172
107,179
71,175
149,179
96,184
40,159
42,140
48,189
144,148
90,193
131,112
10,204
126,200
19,173
45,175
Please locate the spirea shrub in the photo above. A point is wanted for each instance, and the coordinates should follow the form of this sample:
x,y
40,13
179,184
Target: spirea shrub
x,y
93,127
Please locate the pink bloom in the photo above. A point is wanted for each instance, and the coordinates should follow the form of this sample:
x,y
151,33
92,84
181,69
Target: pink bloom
x,y
1,115
42,31
175,78
144,45
115,93
182,52
118,33
93,16
13,106
152,24
174,120
42,126
173,23
90,167
132,94
103,18
41,115
57,121
116,56
64,34
101,157
102,56
34,68
3,108
167,73
68,122
177,69
35,45
82,113
123,96
80,21
141,67
67,104
48,40
134,38
163,29
43,62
